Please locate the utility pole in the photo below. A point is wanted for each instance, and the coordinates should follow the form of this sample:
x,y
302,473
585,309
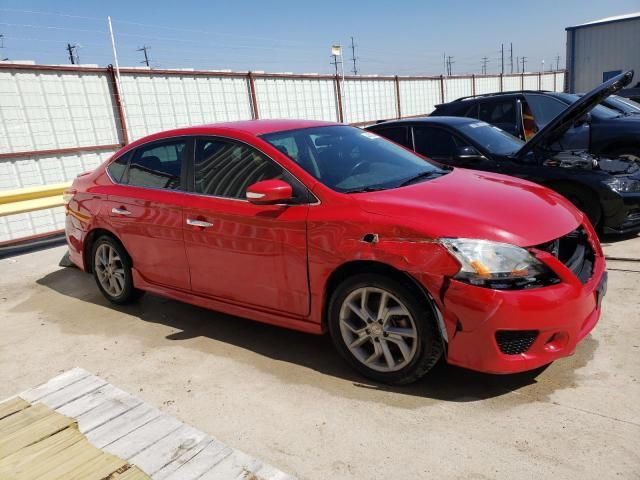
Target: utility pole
x,y
449,63
2,57
144,49
557,62
73,54
484,62
511,57
523,60
444,62
502,55
353,57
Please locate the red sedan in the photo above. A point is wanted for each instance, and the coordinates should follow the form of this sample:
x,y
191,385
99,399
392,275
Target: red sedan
x,y
322,227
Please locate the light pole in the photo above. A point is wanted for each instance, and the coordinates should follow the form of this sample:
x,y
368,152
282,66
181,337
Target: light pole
x,y
336,51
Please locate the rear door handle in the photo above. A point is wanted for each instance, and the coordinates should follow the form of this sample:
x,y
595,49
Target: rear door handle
x,y
198,223
120,211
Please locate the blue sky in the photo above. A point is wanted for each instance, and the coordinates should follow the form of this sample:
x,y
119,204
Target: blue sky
x,y
399,37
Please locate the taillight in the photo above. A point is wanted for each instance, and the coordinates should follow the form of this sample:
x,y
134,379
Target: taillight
x,y
67,195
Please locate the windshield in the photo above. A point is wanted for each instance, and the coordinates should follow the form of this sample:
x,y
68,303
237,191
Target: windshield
x,y
623,104
348,159
599,111
491,138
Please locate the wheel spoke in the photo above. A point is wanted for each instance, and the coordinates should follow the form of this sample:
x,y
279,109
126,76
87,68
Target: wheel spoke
x,y
359,312
382,307
377,353
399,332
387,354
396,311
402,346
359,341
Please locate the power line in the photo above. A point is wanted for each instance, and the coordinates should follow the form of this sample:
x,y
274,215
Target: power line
x,y
144,49
353,57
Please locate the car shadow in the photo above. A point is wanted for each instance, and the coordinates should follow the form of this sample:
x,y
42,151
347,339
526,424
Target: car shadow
x,y
612,238
443,382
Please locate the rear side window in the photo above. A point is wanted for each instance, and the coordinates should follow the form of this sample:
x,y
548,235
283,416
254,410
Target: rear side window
x,y
118,167
498,113
157,166
225,168
395,134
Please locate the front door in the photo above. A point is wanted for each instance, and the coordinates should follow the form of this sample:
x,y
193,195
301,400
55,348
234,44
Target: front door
x,y
145,210
254,255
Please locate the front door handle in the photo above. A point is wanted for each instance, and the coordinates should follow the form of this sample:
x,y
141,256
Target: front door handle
x,y
198,223
120,211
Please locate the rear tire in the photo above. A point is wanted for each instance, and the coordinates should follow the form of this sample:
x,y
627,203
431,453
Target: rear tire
x,y
384,329
584,200
112,271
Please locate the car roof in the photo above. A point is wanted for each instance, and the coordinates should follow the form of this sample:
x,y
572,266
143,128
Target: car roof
x,y
250,127
444,120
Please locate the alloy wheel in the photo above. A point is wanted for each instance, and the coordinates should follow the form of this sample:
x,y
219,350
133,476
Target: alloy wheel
x,y
109,270
378,329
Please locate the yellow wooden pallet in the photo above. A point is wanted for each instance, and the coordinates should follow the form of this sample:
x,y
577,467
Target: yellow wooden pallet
x,y
38,443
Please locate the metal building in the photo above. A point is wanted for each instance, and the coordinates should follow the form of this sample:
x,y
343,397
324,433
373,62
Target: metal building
x,y
598,50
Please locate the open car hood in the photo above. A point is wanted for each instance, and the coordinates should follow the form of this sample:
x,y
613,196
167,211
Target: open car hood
x,y
563,122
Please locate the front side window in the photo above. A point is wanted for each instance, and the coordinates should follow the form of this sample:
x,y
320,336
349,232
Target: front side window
x,y
435,142
157,166
395,134
224,168
348,159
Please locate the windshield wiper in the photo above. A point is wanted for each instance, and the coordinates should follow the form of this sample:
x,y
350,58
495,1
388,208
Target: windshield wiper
x,y
420,176
366,189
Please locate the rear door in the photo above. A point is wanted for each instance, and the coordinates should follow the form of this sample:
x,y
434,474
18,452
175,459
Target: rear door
x,y
254,255
145,209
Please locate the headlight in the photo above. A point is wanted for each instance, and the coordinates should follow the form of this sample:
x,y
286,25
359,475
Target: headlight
x,y
497,265
623,184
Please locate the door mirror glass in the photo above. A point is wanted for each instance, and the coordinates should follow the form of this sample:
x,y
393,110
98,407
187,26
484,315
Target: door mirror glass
x,y
268,192
468,153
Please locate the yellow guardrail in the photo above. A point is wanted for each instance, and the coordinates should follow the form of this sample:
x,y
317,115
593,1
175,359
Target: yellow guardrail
x,y
29,199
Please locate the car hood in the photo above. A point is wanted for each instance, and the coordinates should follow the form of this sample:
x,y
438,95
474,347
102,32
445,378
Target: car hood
x,y
563,122
472,204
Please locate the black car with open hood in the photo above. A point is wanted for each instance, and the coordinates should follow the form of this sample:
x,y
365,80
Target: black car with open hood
x,y
603,131
607,190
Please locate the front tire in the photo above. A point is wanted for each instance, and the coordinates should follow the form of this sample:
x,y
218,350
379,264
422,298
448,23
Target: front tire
x,y
384,329
112,271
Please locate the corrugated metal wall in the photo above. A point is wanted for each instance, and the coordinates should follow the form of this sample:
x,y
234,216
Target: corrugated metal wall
x,y
56,122
595,49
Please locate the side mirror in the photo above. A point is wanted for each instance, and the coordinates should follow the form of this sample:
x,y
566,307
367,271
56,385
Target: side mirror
x,y
468,153
582,120
268,192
